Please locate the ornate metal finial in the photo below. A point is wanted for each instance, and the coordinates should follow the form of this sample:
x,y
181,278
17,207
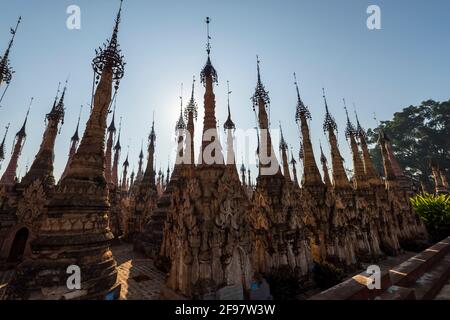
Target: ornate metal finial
x,y
22,132
301,110
208,69
283,144
359,129
350,129
208,44
192,106
6,71
110,55
181,125
229,124
260,91
2,145
329,123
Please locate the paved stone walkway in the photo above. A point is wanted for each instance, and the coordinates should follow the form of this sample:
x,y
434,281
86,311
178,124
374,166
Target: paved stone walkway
x,y
139,278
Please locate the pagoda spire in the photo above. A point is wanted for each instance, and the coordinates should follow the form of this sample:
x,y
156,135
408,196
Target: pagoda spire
x,y
2,146
211,151
261,102
42,166
117,150
83,198
73,146
369,169
191,113
140,172
340,179
180,129
9,176
148,181
229,128
6,71
326,175
109,147
125,165
311,174
243,173
359,176
294,169
284,156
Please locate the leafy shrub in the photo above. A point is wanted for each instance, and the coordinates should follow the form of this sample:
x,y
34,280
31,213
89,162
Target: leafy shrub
x,y
434,210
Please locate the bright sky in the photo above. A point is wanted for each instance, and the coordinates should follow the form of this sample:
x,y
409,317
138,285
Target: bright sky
x,y
327,43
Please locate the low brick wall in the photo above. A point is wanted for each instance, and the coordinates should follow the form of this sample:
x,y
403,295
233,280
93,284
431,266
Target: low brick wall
x,y
396,283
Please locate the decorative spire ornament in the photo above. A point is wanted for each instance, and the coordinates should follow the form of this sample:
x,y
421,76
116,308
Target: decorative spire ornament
x,y
311,175
340,179
6,71
2,145
81,197
9,176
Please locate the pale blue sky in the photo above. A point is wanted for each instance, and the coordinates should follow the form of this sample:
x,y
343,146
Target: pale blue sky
x,y
326,43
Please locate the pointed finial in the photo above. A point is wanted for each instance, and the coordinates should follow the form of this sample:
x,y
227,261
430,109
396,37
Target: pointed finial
x,y
260,91
208,69
118,146
301,110
329,123
350,129
359,129
112,126
323,159
229,124
283,144
208,44
192,106
180,123
2,145
75,136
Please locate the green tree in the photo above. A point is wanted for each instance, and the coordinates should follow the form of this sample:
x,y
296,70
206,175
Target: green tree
x,y
418,134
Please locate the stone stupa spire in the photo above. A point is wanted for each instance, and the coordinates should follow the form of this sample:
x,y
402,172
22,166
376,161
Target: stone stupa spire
x,y
75,231
284,156
211,151
311,174
326,175
2,146
229,128
191,113
359,176
340,179
109,147
73,145
369,169
261,102
117,150
9,176
148,181
42,166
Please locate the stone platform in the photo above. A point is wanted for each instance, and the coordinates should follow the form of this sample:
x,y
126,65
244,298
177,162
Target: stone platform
x,y
423,276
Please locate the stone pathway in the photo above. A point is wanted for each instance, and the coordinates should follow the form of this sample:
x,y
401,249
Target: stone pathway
x,y
139,278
